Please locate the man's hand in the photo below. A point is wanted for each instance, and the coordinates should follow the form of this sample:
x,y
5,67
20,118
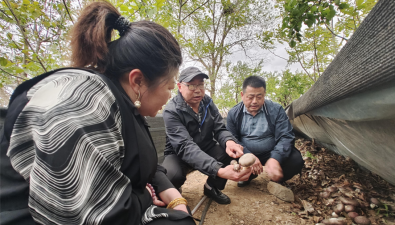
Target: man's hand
x,y
230,174
273,170
257,167
233,149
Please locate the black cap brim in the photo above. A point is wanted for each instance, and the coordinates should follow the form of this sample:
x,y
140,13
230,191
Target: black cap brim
x,y
189,78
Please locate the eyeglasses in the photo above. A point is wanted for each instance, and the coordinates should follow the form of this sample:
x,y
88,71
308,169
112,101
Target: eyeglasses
x,y
193,87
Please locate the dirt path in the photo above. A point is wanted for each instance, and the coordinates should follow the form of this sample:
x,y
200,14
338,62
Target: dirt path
x,y
254,205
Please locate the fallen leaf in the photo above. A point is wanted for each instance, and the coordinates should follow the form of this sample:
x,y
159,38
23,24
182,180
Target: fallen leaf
x,y
307,206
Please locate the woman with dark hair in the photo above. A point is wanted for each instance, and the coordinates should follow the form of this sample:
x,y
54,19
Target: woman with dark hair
x,y
76,148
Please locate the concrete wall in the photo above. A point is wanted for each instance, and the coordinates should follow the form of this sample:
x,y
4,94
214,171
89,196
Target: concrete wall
x,y
158,133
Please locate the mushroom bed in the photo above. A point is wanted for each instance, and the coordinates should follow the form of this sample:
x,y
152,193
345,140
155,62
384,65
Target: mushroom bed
x,y
332,190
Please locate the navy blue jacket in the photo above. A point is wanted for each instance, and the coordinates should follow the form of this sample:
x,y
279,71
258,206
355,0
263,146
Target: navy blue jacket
x,y
279,125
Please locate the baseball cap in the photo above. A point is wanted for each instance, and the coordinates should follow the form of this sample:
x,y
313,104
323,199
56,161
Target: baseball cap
x,y
189,73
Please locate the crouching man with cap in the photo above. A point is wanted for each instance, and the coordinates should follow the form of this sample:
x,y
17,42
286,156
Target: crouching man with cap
x,y
192,123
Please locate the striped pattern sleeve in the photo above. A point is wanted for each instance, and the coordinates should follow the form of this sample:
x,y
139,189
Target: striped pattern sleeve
x,y
67,143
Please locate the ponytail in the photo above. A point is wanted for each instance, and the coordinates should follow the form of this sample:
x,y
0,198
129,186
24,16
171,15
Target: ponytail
x,y
142,45
91,34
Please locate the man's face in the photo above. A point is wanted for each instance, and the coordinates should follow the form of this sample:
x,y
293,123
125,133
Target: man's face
x,y
192,97
253,98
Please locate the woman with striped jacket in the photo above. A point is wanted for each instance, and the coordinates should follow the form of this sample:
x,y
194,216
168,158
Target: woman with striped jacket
x,y
75,148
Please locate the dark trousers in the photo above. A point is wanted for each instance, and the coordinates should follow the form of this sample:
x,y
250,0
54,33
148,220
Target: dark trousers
x,y
177,169
291,166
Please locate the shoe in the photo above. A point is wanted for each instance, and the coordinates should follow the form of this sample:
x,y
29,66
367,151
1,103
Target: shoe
x,y
216,195
245,183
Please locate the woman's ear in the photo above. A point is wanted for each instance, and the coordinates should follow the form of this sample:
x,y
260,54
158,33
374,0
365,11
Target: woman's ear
x,y
136,79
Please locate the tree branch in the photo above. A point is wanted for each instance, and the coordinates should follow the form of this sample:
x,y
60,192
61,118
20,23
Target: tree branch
x,y
184,3
280,56
301,64
336,34
67,9
23,33
195,10
12,74
5,14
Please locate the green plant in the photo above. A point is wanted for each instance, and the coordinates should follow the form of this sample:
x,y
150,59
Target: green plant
x,y
384,210
309,155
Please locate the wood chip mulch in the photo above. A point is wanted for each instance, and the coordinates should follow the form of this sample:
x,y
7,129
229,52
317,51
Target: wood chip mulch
x,y
330,180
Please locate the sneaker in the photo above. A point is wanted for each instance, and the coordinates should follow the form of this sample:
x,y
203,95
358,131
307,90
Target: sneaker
x,y
216,195
245,183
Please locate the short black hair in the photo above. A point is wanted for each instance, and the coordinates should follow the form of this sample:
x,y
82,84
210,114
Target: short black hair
x,y
255,82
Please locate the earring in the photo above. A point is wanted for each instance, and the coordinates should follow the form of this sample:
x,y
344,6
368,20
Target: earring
x,y
137,103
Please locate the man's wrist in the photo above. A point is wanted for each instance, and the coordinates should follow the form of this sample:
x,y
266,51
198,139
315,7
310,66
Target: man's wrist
x,y
229,142
273,160
220,172
217,168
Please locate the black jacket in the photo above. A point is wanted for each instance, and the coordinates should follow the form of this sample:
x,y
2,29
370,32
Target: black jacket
x,y
139,164
187,141
279,125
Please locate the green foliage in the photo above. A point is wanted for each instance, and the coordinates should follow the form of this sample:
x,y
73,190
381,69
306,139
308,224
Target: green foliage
x,y
219,28
315,53
316,30
385,210
308,12
229,93
158,11
286,86
283,87
299,14
309,155
34,38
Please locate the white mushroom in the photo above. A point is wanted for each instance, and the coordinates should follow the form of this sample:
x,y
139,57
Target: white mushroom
x,y
338,208
362,220
349,208
335,221
247,160
236,167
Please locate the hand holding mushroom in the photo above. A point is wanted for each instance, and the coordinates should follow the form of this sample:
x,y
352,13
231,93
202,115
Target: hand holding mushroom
x,y
245,162
257,167
238,172
229,173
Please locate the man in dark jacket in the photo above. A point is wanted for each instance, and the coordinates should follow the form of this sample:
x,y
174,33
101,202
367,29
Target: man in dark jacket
x,y
192,123
263,128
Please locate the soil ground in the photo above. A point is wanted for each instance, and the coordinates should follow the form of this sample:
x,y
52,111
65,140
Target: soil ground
x,y
253,204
